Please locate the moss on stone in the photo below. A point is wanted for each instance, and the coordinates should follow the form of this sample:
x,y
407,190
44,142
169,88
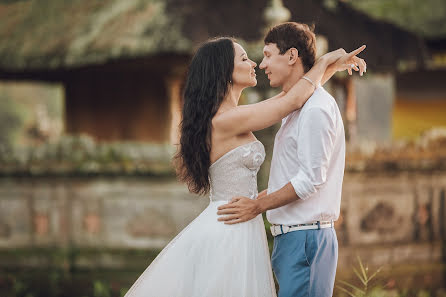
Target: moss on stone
x,y
81,155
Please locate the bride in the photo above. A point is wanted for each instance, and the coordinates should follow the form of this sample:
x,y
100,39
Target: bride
x,y
220,156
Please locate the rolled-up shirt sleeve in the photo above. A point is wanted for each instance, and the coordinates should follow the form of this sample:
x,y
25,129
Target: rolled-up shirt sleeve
x,y
315,142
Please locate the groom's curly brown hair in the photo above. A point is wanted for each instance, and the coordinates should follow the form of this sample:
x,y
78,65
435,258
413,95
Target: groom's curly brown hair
x,y
297,35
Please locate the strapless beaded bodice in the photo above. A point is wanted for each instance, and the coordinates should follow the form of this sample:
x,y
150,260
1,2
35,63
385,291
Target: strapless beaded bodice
x,y
235,173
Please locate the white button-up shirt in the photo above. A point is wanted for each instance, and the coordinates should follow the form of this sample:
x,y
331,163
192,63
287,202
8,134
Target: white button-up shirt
x,y
309,152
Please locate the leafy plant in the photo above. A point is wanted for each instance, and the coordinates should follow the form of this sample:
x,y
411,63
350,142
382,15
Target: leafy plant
x,y
365,277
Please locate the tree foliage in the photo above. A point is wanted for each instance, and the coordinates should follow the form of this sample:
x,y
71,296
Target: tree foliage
x,y
427,17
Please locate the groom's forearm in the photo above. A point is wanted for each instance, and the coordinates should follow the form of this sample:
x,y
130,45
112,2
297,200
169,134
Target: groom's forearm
x,y
278,198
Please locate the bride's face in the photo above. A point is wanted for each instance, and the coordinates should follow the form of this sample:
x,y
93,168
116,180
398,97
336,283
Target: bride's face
x,y
244,74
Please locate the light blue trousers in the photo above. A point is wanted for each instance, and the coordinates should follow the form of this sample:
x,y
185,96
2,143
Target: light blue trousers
x,y
304,262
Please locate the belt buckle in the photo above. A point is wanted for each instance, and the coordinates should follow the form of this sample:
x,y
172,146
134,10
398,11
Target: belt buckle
x,y
282,229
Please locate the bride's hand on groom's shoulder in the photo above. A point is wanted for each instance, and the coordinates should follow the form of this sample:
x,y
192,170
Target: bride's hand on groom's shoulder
x,y
238,210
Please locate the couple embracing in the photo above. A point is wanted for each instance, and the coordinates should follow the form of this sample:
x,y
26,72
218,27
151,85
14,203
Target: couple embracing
x,y
224,252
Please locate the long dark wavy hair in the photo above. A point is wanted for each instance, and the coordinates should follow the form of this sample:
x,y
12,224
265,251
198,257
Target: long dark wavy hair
x,y
208,80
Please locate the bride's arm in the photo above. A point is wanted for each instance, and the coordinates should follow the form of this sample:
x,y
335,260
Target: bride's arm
x,y
345,63
253,117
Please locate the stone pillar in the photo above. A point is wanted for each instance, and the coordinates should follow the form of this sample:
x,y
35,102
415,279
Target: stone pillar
x,y
375,96
351,111
173,87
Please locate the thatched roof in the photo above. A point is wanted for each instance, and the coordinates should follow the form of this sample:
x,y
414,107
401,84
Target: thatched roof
x,y
49,34
52,35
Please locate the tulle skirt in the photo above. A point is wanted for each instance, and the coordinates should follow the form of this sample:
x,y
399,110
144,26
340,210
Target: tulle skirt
x,y
211,259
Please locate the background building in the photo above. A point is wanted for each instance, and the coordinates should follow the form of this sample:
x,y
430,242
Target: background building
x,y
89,110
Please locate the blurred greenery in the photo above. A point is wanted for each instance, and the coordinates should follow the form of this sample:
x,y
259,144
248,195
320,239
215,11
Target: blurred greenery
x,y
426,18
367,283
363,274
30,113
56,282
100,289
81,154
12,119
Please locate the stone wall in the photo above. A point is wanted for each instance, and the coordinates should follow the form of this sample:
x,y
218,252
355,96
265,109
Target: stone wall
x,y
396,220
113,212
387,218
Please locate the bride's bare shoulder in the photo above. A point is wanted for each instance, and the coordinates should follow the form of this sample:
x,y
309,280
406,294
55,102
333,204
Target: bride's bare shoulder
x,y
224,120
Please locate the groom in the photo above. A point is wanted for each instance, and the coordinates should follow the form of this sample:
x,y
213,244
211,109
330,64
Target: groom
x,y
304,189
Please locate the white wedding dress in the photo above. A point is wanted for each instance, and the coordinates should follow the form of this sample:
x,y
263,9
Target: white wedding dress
x,y
209,258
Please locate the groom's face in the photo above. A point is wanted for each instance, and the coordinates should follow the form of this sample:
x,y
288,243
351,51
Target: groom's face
x,y
276,66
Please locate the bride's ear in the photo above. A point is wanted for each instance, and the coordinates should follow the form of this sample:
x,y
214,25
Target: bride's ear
x,y
293,55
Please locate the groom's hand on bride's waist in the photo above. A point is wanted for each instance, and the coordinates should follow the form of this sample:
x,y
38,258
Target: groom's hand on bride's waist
x,y
238,210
